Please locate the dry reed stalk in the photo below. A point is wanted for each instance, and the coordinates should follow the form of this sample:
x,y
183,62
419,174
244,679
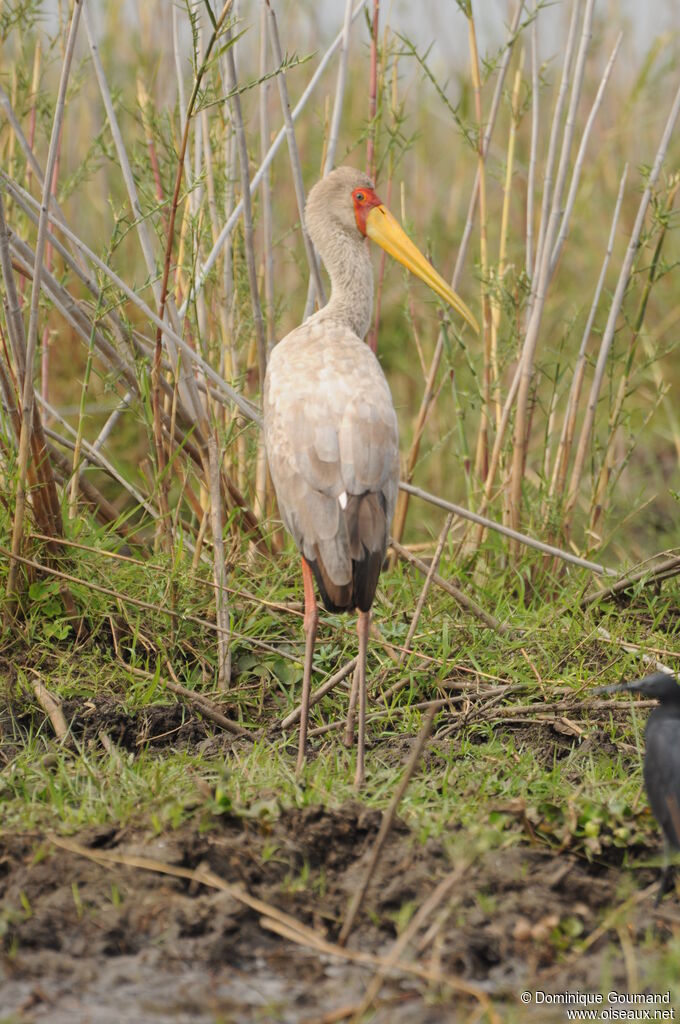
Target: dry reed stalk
x,y
202,275
96,458
141,225
533,146
496,305
248,229
159,446
580,156
260,503
372,94
45,340
219,568
7,107
294,156
482,449
426,401
372,339
35,84
144,101
340,88
561,463
488,131
614,310
514,535
333,127
194,358
553,141
546,239
28,390
31,440
73,490
431,572
659,382
597,505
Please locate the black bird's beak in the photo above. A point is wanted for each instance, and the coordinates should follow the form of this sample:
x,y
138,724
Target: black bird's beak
x,y
646,686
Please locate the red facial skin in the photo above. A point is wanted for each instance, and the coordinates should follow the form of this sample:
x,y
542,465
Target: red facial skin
x,y
364,200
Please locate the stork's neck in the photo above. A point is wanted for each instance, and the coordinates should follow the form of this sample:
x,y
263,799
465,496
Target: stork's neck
x,y
349,267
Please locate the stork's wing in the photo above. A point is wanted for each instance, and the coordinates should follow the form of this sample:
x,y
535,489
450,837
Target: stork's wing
x,y
330,433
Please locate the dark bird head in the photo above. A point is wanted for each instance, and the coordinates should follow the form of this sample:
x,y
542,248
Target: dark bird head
x,y
659,686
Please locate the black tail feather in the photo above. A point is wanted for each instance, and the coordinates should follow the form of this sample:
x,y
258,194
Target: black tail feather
x,y
367,528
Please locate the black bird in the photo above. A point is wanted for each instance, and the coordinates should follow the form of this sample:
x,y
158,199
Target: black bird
x,y
662,759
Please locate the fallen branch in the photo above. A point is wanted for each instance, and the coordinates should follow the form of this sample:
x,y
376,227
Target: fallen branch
x,y
272,918
522,538
201,703
51,706
665,570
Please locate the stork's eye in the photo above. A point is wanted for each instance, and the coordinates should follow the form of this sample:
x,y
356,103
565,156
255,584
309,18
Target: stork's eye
x,y
360,197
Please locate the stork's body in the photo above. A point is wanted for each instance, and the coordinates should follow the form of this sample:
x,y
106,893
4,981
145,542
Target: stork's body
x,y
330,427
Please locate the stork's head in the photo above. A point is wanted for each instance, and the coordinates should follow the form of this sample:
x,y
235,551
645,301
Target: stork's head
x,y
345,202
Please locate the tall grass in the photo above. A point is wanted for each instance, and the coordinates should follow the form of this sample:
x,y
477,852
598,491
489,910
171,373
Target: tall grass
x,y
132,354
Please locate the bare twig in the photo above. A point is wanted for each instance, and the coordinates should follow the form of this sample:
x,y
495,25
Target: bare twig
x,y
456,593
257,177
296,167
515,535
51,706
321,692
664,570
28,391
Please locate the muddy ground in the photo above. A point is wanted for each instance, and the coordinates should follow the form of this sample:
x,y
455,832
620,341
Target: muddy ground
x,y
105,943
91,941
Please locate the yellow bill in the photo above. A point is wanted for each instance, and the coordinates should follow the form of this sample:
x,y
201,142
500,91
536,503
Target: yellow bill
x,y
383,228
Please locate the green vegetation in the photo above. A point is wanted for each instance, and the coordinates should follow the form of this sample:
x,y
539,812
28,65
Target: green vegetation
x,y
145,585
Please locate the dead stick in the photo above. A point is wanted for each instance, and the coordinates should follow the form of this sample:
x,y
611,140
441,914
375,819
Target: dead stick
x,y
51,707
325,688
388,819
664,570
272,918
456,593
202,704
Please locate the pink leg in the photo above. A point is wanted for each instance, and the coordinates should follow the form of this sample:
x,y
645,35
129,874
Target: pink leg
x,y
351,710
363,628
309,626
